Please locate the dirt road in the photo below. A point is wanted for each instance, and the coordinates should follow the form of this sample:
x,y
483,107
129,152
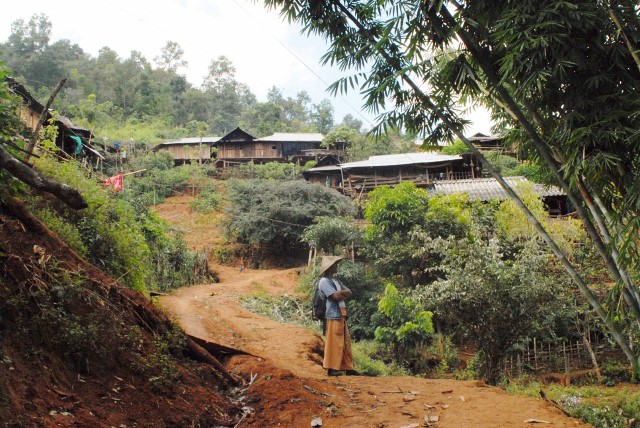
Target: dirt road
x,y
290,387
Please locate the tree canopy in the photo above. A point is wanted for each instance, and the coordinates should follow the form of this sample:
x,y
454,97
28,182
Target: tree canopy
x,y
560,77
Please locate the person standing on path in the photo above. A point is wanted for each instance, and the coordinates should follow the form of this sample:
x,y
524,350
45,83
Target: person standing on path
x,y
337,348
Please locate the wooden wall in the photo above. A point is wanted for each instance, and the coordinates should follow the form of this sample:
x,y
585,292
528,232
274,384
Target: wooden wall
x,y
252,150
187,151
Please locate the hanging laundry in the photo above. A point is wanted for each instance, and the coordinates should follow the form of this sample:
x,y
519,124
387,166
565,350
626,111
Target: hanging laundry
x,y
115,181
78,144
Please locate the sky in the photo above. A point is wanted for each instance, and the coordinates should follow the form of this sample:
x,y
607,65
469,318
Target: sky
x,y
265,49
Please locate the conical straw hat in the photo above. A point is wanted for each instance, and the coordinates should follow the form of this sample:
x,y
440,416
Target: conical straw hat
x,y
328,261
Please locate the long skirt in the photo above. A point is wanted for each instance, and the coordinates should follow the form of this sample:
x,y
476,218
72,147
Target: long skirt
x,y
337,347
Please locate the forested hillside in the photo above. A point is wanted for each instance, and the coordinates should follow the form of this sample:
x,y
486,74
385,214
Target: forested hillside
x,y
150,99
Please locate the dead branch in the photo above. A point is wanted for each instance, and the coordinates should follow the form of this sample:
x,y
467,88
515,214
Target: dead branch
x,y
200,354
39,181
553,403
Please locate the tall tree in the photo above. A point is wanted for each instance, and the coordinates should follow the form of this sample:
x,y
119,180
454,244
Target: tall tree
x,y
32,37
228,96
322,116
171,57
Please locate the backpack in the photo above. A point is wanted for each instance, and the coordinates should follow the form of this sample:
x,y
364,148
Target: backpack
x,y
319,307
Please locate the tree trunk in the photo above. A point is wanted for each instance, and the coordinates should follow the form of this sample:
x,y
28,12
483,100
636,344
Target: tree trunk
x,y
37,180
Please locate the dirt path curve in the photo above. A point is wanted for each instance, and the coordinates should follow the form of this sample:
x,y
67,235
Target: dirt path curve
x,y
213,312
290,385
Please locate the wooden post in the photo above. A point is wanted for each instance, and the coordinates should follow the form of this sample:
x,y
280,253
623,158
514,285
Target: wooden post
x,y
535,353
566,358
42,119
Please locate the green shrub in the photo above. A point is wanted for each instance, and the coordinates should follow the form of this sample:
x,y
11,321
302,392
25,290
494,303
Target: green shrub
x,y
284,308
68,232
367,360
120,235
207,201
274,214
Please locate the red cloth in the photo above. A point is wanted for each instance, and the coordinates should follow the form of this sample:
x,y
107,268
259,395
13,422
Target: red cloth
x,y
115,181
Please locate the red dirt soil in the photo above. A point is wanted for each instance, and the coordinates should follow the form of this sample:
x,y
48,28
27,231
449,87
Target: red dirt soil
x,y
290,387
110,386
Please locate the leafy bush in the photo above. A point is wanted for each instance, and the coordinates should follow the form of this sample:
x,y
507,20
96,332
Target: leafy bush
x,y
109,227
493,301
207,201
119,235
68,232
367,360
401,220
160,178
407,330
275,214
329,233
268,171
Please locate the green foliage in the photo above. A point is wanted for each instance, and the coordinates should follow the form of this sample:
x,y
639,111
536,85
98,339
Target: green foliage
x,y
269,171
69,233
505,165
207,201
599,406
110,228
406,329
342,134
119,235
406,211
50,318
160,368
393,141
395,210
513,226
367,360
492,300
175,265
443,352
329,233
560,79
457,148
222,255
160,178
275,214
284,308
448,215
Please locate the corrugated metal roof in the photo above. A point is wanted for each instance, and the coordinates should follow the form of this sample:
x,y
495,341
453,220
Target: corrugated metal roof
x,y
485,189
293,137
72,126
401,159
324,168
190,140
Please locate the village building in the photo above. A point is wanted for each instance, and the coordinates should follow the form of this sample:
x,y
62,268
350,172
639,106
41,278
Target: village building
x,y
189,150
239,147
421,168
72,141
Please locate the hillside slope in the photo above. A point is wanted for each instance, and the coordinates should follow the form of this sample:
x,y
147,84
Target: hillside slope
x,y
77,349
